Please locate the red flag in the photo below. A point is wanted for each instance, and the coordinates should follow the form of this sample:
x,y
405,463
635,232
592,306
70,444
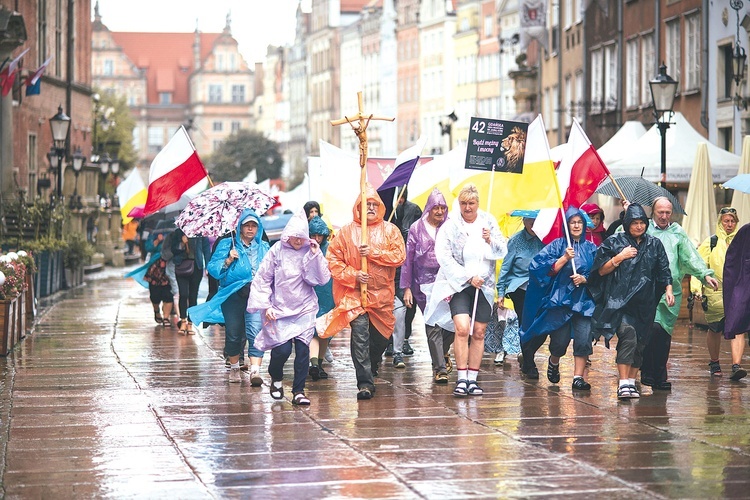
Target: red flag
x,y
580,173
8,74
36,75
175,170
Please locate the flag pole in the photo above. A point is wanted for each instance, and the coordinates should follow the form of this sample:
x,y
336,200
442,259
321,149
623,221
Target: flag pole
x,y
208,176
398,195
476,290
609,174
564,222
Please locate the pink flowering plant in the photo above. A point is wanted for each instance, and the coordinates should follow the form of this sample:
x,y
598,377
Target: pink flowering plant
x,y
15,282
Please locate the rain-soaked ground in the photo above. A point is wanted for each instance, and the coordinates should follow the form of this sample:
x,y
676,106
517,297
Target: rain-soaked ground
x,y
100,402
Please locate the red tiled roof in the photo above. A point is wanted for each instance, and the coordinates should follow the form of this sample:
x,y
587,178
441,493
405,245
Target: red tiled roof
x,y
162,55
353,5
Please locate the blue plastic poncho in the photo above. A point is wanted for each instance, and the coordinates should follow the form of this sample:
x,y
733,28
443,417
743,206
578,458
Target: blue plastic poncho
x,y
324,292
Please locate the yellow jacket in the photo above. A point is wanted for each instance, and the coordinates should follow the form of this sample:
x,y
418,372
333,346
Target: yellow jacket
x,y
715,260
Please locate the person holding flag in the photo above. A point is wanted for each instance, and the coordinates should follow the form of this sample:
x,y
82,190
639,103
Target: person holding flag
x,y
559,304
466,247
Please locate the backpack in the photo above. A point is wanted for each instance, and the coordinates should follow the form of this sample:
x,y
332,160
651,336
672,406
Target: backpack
x,y
166,247
714,241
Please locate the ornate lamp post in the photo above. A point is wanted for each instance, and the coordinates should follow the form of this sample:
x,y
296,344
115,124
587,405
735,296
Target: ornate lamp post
x,y
60,124
79,159
663,89
104,165
739,59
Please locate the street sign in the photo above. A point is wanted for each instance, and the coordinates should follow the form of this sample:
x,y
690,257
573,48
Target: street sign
x,y
496,145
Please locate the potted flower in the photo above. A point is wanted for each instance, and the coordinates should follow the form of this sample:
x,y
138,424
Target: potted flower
x,y
76,255
12,313
27,258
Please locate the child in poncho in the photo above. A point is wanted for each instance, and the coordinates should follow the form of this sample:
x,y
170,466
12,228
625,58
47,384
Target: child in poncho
x,y
283,292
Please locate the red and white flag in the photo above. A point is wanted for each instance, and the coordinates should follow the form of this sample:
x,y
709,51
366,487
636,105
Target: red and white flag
x,y
580,172
8,74
175,170
36,75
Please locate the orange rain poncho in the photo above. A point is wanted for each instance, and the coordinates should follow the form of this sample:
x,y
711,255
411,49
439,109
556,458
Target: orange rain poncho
x,y
387,252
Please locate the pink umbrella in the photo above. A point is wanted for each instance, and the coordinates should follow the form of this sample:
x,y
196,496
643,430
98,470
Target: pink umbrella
x,y
215,212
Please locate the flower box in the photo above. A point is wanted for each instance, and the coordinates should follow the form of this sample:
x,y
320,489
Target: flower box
x,y
9,325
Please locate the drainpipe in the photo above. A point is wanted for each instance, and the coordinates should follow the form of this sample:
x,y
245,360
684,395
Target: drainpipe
x,y
704,65
621,47
70,63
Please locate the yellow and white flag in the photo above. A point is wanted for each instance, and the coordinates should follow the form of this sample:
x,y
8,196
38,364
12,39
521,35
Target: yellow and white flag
x,y
131,192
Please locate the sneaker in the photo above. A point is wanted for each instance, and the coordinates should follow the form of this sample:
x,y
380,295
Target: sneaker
x,y
398,361
581,385
314,372
500,358
255,379
553,372
389,350
234,376
406,349
448,363
737,373
715,368
532,373
441,378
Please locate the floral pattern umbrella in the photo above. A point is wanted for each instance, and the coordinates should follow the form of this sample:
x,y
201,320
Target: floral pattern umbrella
x,y
215,212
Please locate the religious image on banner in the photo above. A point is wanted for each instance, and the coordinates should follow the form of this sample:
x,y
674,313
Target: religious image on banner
x,y
496,145
533,22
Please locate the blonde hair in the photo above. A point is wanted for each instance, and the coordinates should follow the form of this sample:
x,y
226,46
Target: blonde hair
x,y
467,192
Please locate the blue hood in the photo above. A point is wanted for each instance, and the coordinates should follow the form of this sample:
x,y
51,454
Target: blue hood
x,y
248,212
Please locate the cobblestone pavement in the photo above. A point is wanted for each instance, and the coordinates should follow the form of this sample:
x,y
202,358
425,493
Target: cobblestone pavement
x,y
100,402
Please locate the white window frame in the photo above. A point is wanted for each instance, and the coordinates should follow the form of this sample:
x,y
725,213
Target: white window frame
x,y
568,103
610,77
673,49
647,67
597,71
631,73
692,52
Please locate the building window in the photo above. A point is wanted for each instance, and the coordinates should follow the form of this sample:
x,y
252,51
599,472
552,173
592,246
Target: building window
x,y
155,139
216,145
610,77
692,52
137,138
647,67
58,37
488,26
214,93
725,72
41,31
568,13
165,98
236,126
631,74
220,62
238,93
597,70
109,67
218,126
554,108
568,104
579,96
673,49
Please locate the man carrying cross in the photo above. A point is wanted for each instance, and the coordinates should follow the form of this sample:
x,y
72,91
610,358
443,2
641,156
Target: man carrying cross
x,y
371,319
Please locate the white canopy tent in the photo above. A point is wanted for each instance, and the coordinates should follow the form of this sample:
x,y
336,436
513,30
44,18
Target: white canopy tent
x,y
682,145
621,144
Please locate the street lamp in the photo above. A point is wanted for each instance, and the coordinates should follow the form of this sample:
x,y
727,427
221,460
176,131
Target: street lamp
x,y
739,59
104,166
60,124
447,128
663,90
79,159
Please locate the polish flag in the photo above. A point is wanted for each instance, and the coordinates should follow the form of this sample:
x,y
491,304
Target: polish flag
x,y
175,170
8,74
580,172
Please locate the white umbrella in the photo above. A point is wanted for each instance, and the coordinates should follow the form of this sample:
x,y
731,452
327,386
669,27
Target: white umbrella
x,y
700,221
741,201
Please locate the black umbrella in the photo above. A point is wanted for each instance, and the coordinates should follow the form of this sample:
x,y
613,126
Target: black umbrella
x,y
638,190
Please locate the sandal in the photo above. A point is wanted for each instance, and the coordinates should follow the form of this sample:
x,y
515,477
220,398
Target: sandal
x,y
300,399
624,392
462,388
364,393
190,330
473,389
277,392
182,326
715,368
158,318
166,322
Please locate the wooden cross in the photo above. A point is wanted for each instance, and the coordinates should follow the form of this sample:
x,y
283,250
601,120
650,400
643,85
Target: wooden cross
x,y
359,123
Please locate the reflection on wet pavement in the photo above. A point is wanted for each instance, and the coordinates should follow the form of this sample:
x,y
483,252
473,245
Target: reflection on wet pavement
x,y
100,402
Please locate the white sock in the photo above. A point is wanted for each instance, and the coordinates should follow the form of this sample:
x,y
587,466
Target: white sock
x,y
473,375
235,365
631,381
254,369
577,376
277,384
463,374
624,382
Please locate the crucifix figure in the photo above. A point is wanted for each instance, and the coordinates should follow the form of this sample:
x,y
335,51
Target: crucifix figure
x,y
359,124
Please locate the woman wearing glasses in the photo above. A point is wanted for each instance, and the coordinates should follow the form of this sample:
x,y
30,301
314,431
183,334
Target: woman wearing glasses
x,y
714,251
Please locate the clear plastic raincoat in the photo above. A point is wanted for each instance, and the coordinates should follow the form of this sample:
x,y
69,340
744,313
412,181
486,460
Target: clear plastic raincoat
x,y
453,276
386,254
284,284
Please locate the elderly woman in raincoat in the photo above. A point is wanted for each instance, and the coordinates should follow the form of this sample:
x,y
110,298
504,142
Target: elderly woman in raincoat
x,y
558,303
467,246
282,291
234,263
629,276
713,251
420,269
372,322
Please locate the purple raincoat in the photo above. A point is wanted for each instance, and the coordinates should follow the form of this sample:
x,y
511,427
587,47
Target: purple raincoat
x,y
284,283
421,265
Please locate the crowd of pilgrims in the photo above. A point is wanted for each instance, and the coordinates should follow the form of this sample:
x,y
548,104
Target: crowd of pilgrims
x,y
592,284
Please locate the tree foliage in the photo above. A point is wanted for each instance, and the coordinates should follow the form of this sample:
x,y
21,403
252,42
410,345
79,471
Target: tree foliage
x,y
114,129
242,152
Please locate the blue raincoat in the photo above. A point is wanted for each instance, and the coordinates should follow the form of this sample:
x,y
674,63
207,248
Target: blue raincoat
x,y
324,292
237,275
551,299
139,273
